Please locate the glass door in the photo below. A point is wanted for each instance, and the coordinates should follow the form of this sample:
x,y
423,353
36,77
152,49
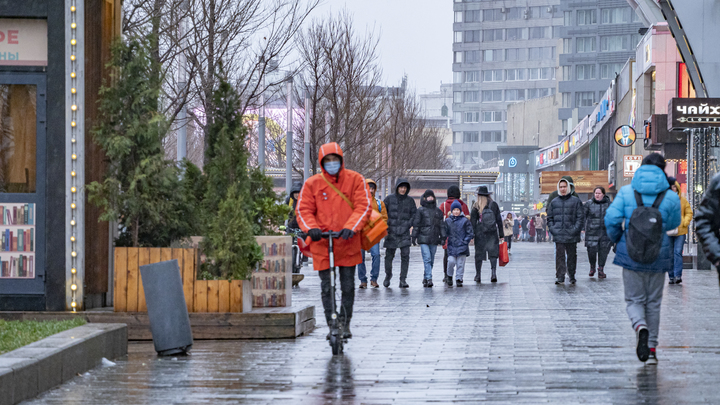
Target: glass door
x,y
22,183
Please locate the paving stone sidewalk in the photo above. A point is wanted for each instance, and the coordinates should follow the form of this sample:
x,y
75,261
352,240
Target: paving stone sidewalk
x,y
521,340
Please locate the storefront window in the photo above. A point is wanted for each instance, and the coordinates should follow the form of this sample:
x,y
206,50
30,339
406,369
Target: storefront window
x,y
18,133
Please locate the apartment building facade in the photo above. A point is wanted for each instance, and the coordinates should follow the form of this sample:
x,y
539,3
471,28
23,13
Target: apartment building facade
x,y
503,52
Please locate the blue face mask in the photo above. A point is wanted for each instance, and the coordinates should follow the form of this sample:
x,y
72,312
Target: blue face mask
x,y
332,167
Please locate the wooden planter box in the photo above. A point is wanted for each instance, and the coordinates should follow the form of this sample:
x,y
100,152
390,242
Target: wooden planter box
x,y
200,295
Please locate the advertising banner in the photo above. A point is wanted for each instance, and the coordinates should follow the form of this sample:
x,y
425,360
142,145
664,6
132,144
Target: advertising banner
x,y
23,42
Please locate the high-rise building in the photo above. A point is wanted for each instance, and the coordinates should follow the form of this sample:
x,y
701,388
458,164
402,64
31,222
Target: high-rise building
x,y
598,37
503,52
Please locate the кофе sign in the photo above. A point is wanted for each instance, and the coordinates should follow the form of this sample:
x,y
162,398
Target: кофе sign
x,y
693,113
584,181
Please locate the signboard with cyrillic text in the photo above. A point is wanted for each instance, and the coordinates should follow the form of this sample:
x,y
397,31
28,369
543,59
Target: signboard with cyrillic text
x,y
23,42
693,113
584,181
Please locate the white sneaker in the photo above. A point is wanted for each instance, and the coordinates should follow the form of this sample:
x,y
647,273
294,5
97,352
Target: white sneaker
x,y
652,359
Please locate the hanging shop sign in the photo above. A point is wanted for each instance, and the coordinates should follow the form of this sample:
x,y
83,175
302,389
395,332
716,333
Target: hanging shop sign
x,y
693,113
625,136
584,181
23,42
631,164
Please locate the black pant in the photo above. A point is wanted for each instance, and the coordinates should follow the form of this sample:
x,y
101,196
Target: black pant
x,y
508,240
561,266
600,252
479,261
445,257
347,286
404,262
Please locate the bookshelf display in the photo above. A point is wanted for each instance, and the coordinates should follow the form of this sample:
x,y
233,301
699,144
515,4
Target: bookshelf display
x,y
17,240
272,278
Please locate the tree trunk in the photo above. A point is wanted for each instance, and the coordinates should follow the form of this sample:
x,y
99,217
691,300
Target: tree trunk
x,y
136,232
209,107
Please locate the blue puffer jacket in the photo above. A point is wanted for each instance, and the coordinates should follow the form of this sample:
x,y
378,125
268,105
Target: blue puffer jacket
x,y
459,232
649,181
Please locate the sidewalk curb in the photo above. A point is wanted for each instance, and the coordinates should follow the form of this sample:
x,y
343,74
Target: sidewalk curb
x,y
33,369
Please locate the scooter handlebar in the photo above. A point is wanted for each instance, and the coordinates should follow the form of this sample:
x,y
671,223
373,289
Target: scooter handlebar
x,y
325,235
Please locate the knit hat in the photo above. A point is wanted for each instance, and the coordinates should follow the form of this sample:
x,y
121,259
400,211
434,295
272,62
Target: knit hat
x,y
456,204
453,192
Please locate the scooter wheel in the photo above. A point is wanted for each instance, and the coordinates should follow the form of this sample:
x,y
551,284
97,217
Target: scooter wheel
x,y
336,344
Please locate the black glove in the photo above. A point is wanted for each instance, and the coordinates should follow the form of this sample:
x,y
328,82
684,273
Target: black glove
x,y
346,234
414,241
315,234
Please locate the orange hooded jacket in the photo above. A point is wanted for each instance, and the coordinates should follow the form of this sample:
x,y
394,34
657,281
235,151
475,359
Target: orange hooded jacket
x,y
319,206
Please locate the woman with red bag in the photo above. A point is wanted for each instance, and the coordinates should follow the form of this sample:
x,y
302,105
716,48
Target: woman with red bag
x,y
488,227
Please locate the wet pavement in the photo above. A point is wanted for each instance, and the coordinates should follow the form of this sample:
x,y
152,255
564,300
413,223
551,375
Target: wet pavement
x,y
521,340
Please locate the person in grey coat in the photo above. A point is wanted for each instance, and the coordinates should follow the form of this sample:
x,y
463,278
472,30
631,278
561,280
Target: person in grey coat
x,y
566,218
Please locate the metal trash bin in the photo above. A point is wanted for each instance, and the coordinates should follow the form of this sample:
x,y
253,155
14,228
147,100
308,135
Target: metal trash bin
x,y
167,311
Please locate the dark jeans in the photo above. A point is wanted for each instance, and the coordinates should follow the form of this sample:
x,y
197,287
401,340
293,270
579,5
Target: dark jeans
x,y
599,252
347,286
479,262
561,265
404,262
445,258
508,240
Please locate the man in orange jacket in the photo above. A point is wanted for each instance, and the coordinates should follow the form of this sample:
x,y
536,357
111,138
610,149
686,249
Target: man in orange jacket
x,y
320,209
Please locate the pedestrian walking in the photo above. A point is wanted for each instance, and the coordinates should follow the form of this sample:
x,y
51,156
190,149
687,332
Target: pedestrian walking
x,y
556,194
566,218
647,210
429,232
453,194
378,206
525,236
459,234
597,241
678,235
508,225
546,234
401,212
516,229
531,229
538,228
488,229
324,205
707,222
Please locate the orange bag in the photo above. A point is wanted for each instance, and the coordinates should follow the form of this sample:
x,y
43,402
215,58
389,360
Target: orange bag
x,y
376,227
504,256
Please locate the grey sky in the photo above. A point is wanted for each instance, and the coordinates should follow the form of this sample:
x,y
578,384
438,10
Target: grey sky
x,y
416,37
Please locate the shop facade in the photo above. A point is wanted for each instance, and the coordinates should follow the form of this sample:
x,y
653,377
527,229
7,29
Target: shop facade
x,y
516,186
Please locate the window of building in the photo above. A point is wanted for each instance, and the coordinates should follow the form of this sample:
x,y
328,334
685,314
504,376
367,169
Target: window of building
x,y
471,96
489,155
458,57
515,95
539,32
470,158
18,146
472,16
514,13
618,15
566,100
609,70
491,96
471,36
493,14
537,93
457,137
457,97
615,43
471,136
567,45
585,72
472,56
457,117
495,75
472,117
515,54
492,116
514,34
584,99
541,53
586,17
567,15
493,55
457,77
566,73
541,73
540,12
515,75
492,35
458,16
492,136
585,44
457,36
472,76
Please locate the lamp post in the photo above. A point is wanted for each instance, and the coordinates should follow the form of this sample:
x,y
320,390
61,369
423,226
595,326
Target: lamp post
x,y
306,161
289,138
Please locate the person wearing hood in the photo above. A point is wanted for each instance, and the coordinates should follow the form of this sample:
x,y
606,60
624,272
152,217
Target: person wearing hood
x,y
678,235
337,200
459,234
488,230
555,193
291,201
524,230
401,212
379,207
596,240
428,232
453,194
707,222
566,218
644,282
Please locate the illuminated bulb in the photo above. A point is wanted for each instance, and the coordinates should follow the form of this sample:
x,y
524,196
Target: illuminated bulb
x,y
73,304
72,239
73,271
72,8
73,123
72,75
72,173
74,156
73,140
72,57
73,205
72,222
74,107
73,287
73,41
73,189
73,254
73,91
73,25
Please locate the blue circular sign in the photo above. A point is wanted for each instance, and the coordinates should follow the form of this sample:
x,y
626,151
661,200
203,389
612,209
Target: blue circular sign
x,y
512,162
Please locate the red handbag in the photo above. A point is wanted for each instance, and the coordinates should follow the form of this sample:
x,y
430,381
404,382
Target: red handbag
x,y
504,256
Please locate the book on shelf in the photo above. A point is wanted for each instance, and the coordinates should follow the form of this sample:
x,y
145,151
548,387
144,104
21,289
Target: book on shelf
x,y
17,215
22,266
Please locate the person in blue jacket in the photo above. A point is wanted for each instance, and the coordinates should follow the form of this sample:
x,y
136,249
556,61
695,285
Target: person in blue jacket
x,y
459,233
644,282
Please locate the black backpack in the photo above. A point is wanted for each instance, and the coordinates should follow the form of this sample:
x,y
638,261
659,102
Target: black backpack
x,y
487,222
644,233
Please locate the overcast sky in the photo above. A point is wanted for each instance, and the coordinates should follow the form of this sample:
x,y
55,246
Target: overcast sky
x,y
416,37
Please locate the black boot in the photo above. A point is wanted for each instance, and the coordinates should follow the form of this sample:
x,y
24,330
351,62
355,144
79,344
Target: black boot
x,y
429,283
477,277
424,282
403,284
493,277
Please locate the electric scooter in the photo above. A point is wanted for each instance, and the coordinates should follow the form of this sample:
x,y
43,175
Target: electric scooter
x,y
336,329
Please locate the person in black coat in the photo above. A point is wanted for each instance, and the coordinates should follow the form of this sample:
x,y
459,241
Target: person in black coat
x,y
488,228
707,222
597,241
566,218
401,212
429,232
